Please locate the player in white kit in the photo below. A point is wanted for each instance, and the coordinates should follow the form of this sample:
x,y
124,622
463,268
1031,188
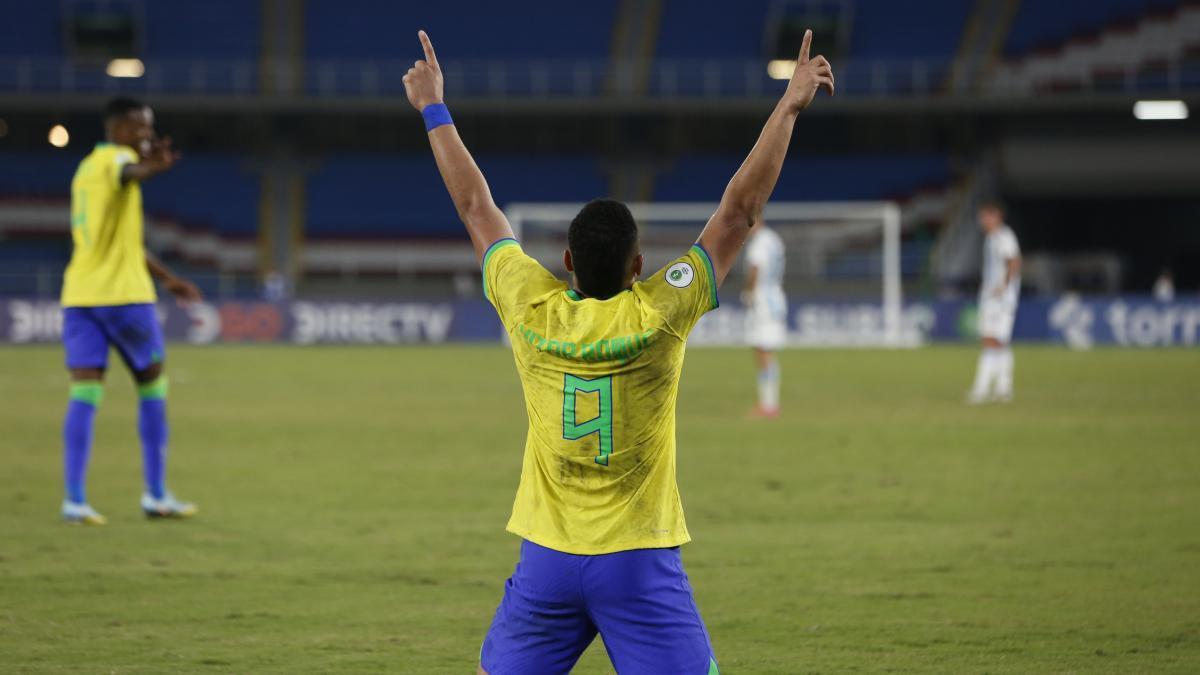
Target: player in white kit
x,y
998,293
766,325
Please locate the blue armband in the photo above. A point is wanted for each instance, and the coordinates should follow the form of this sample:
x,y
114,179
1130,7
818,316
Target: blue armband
x,y
436,114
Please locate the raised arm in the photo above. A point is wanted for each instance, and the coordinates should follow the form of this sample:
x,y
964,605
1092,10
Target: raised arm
x,y
748,191
484,220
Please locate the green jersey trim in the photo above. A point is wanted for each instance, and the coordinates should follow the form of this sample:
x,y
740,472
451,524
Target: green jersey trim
x,y
487,255
714,301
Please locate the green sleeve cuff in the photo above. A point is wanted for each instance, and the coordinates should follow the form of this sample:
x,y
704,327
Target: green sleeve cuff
x,y
496,246
713,301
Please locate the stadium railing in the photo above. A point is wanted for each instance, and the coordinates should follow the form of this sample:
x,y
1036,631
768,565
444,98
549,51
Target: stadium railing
x,y
548,79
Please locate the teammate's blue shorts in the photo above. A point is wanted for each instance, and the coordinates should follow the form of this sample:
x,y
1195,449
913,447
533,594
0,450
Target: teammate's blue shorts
x,y
639,601
87,333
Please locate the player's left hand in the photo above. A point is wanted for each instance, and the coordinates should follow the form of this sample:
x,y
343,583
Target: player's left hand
x,y
162,156
185,292
810,75
423,82
998,292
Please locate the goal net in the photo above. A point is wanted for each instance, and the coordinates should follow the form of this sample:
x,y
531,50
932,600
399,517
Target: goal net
x,y
842,270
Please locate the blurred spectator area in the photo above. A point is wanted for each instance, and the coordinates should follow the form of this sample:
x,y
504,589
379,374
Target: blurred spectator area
x,y
384,216
289,112
620,49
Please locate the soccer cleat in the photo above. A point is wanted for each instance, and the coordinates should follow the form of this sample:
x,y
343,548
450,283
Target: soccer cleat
x,y
167,507
81,514
1006,397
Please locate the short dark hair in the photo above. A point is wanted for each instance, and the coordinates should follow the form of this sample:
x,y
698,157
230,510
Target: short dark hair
x,y
121,106
991,205
603,241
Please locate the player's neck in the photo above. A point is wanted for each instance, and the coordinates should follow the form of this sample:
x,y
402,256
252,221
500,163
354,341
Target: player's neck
x,y
580,295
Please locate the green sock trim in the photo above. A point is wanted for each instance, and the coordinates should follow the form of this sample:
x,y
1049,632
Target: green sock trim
x,y
154,390
88,392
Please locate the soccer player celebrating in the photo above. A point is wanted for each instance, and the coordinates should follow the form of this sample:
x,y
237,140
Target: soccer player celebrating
x,y
108,300
998,295
599,359
766,325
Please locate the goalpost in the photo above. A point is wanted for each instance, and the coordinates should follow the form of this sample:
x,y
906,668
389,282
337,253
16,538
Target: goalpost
x,y
840,257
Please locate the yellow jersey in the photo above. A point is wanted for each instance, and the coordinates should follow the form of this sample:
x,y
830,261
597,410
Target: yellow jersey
x,y
108,261
600,380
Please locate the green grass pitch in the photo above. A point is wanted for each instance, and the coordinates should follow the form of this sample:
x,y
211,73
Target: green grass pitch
x,y
353,502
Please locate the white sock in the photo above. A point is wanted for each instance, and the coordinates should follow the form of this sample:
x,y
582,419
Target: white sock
x,y
1004,372
768,386
985,372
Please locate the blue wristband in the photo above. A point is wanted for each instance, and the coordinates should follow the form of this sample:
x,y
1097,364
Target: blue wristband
x,y
436,114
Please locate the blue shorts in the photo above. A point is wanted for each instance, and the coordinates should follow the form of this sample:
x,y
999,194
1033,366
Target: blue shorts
x,y
133,329
639,601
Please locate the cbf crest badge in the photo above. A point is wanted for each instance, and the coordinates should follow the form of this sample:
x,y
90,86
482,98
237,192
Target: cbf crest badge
x,y
680,275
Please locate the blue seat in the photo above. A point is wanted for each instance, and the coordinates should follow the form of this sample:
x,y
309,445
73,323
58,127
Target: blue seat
x,y
403,196
868,177
1039,25
214,192
470,44
217,30
31,29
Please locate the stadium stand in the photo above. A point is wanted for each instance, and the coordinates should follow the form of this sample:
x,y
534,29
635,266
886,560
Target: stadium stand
x,y
208,192
890,49
705,48
1046,26
1121,45
213,29
841,178
543,41
354,196
532,29
31,30
208,209
892,31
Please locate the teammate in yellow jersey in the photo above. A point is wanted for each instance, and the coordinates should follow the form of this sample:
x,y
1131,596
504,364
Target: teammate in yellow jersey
x,y
108,300
599,359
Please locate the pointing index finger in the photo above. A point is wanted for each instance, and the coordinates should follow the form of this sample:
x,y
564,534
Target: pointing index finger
x,y
428,47
804,45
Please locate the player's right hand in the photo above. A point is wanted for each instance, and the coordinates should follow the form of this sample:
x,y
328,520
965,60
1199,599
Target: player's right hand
x,y
809,76
423,82
185,292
